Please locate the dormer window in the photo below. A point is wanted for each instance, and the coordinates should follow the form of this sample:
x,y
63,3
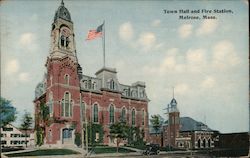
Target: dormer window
x,y
94,85
112,84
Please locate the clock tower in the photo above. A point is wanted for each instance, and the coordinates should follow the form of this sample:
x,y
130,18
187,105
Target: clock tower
x,y
63,90
62,35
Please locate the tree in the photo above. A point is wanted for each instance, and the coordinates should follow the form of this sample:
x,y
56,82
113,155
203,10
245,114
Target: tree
x,y
27,121
119,131
156,122
7,112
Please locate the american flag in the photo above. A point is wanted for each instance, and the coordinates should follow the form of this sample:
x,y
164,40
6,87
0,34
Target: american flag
x,y
92,34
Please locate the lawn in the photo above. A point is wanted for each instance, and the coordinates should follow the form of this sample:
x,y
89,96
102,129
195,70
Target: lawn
x,y
44,152
106,149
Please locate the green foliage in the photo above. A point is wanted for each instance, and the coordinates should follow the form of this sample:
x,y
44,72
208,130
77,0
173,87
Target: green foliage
x,y
119,130
78,139
39,136
27,121
156,122
93,129
7,112
44,112
135,137
44,152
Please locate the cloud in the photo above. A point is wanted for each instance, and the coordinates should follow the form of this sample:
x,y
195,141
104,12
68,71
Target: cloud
x,y
126,31
224,55
27,41
12,66
156,23
196,60
209,82
181,89
185,30
24,77
207,27
147,41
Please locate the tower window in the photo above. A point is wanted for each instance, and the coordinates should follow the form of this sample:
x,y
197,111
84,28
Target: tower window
x,y
67,105
67,42
111,114
62,40
50,104
95,119
112,84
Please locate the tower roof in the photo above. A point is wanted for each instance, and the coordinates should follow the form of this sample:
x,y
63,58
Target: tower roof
x,y
62,13
173,101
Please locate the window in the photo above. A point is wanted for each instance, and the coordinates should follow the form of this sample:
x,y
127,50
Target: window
x,y
123,118
50,103
143,117
66,79
83,111
94,85
112,84
133,117
111,114
62,40
67,105
67,42
7,129
95,119
85,83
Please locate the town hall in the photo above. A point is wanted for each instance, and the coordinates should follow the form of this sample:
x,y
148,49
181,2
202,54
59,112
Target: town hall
x,y
69,104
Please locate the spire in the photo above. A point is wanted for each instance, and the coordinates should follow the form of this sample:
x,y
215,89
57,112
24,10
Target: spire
x,y
173,92
62,3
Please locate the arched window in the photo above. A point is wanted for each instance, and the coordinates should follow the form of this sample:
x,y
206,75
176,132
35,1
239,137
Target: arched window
x,y
112,84
67,103
85,84
66,79
204,143
62,108
50,103
111,114
94,85
62,40
199,143
123,115
67,42
209,143
83,111
95,119
143,117
133,117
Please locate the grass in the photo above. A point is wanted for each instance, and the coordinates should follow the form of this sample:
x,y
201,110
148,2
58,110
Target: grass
x,y
44,152
102,150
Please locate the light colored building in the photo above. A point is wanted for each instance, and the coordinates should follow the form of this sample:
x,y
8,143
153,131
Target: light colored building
x,y
14,137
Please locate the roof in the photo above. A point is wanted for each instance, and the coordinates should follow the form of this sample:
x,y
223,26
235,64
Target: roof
x,y
189,124
62,13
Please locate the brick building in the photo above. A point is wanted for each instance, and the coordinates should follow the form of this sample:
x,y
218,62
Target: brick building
x,y
74,99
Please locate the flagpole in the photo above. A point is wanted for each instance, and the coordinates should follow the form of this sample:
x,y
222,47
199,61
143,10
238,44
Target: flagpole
x,y
104,44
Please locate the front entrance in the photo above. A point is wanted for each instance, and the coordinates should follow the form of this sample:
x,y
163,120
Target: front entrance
x,y
67,135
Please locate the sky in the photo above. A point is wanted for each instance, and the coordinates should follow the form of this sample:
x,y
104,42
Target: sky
x,y
206,61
